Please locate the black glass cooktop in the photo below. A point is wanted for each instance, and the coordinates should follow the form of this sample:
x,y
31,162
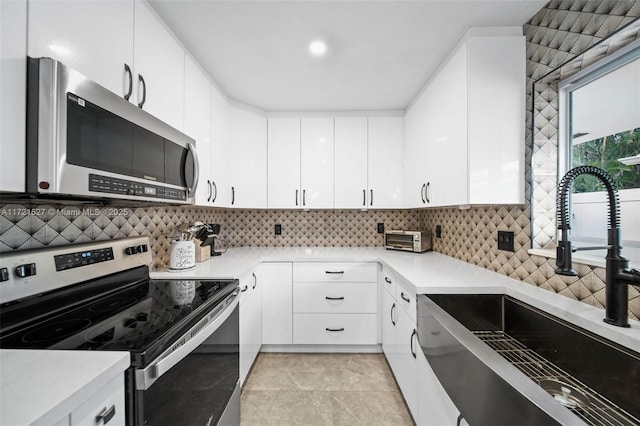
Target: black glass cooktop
x,y
141,316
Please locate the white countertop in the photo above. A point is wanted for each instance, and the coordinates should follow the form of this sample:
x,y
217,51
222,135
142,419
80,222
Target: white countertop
x,y
40,386
429,272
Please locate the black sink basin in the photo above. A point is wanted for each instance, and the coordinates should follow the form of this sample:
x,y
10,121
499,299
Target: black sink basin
x,y
570,367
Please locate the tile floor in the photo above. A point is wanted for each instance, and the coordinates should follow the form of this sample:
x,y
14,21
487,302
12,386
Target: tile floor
x,y
322,389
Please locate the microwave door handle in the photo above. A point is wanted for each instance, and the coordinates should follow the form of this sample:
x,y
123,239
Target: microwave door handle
x,y
145,378
196,169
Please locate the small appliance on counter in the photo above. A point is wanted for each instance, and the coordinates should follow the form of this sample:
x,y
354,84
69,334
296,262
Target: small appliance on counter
x,y
218,245
414,241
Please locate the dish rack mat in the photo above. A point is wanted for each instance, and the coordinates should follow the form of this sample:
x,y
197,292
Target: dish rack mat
x,y
600,411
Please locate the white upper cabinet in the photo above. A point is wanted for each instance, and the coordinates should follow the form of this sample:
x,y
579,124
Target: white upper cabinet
x,y
283,138
13,49
384,162
496,119
351,190
247,158
92,37
316,153
121,45
415,173
219,174
446,135
464,134
159,68
197,124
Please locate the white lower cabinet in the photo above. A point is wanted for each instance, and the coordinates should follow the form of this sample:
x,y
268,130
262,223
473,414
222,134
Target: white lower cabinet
x,y
335,303
427,400
435,408
250,322
335,329
406,371
277,303
105,407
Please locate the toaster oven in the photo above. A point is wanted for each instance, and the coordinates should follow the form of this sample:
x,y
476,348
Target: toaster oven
x,y
415,241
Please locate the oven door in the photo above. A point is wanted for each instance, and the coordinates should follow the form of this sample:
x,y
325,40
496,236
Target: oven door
x,y
196,382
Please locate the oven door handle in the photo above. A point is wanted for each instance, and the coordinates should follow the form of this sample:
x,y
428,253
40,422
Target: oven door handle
x,y
145,378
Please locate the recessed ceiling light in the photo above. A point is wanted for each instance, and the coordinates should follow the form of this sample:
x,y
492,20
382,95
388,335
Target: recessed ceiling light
x,y
318,48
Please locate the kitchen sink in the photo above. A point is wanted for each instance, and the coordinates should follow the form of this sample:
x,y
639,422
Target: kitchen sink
x,y
504,362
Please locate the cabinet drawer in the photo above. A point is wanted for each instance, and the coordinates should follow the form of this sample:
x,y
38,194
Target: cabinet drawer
x,y
335,271
335,329
105,407
335,298
388,280
406,297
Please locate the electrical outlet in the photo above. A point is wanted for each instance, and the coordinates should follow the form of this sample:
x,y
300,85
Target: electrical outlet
x,y
278,229
505,240
438,231
380,228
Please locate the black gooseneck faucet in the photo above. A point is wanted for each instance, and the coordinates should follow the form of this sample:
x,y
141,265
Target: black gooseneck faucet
x,y
618,275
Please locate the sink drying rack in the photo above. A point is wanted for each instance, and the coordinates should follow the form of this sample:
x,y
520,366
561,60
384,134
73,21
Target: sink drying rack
x,y
599,410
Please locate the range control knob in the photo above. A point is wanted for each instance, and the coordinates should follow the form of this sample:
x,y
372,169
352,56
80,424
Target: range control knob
x,y
4,274
142,248
26,270
131,250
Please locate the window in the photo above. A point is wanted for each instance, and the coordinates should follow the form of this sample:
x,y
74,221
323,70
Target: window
x,y
600,110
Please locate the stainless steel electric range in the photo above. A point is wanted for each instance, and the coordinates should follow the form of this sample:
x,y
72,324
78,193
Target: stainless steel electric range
x,y
183,335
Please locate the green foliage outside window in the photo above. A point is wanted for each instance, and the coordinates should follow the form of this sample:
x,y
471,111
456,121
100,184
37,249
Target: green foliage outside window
x,y
604,153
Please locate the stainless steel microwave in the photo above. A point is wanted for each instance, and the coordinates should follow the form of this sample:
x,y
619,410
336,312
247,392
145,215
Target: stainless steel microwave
x,y
415,241
84,141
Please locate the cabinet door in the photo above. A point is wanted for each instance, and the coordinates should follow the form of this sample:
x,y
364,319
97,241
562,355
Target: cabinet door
x,y
93,37
351,163
317,163
407,371
389,329
277,303
446,134
220,149
415,170
247,319
13,53
106,403
435,408
248,159
384,162
159,61
256,304
283,137
496,123
197,124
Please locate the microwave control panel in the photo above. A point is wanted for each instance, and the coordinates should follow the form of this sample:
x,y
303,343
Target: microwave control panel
x,y
99,183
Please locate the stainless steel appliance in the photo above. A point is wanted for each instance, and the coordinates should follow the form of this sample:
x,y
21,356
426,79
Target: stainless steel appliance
x,y
415,241
85,141
183,335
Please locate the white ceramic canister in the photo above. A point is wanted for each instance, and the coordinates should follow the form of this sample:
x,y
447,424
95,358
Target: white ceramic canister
x,y
182,255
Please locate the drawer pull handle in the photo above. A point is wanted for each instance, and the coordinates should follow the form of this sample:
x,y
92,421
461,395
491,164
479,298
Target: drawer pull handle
x,y
334,298
387,280
334,272
335,329
105,415
405,298
246,287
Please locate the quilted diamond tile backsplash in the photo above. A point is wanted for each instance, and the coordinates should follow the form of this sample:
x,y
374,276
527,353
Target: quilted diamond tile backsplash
x,y
560,31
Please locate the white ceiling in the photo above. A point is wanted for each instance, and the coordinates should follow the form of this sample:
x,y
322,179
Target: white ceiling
x,y
381,53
